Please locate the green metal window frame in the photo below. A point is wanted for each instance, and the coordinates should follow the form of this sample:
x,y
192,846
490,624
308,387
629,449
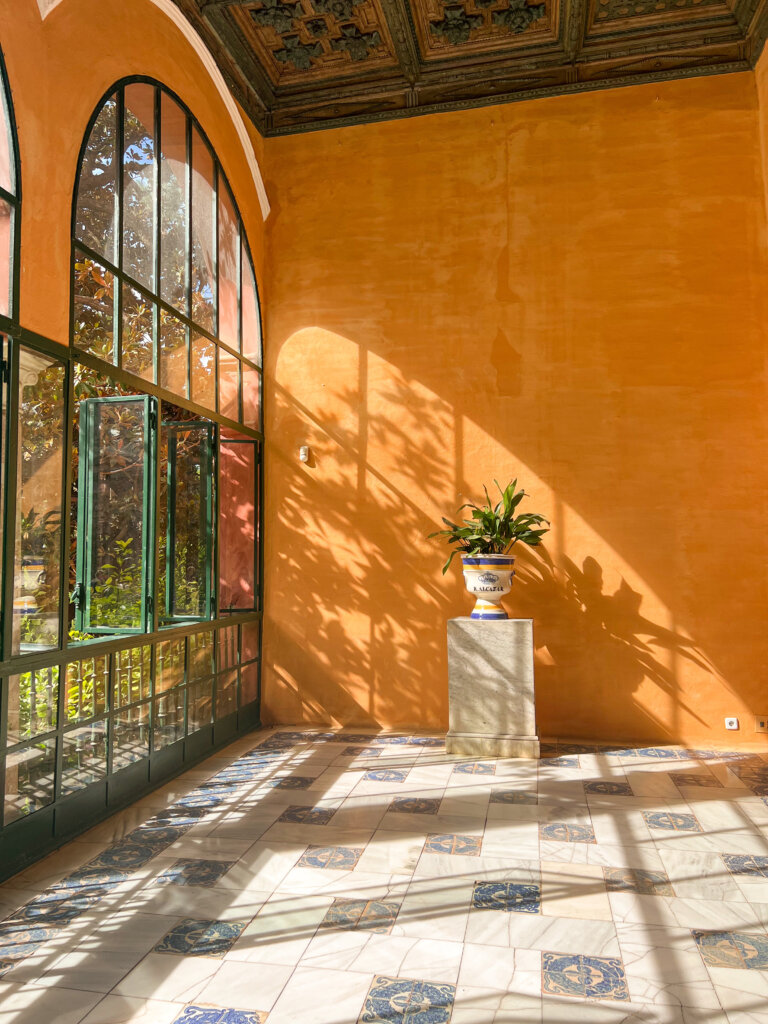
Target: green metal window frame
x,y
86,548
13,198
172,429
217,705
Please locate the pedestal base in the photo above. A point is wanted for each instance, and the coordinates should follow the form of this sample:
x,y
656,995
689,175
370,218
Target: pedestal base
x,y
473,745
490,689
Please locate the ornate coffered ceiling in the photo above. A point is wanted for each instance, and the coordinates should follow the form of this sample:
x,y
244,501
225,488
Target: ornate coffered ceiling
x,y
297,65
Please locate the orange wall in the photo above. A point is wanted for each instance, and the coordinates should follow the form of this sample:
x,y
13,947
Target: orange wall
x,y
58,71
566,290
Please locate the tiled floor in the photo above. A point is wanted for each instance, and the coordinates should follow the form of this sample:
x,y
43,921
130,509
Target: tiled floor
x,y
344,878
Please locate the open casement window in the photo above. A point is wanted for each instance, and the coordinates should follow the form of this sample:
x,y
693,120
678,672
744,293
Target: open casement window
x,y
188,550
114,531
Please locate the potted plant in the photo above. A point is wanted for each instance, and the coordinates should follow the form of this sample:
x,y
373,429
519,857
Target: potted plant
x,y
484,543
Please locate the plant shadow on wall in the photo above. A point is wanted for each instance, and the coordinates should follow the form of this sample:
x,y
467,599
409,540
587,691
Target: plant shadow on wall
x,y
583,630
354,601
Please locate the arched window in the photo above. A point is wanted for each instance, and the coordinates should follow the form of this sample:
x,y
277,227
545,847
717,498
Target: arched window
x,y
9,199
164,286
166,316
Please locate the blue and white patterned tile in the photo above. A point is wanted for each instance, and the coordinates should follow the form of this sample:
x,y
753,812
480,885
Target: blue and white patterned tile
x,y
217,1015
658,753
749,866
386,775
511,897
474,768
606,787
704,780
291,782
201,938
308,815
638,880
584,977
19,939
559,762
362,915
402,1001
203,873
513,796
736,950
361,752
671,821
453,843
340,858
561,832
430,742
415,805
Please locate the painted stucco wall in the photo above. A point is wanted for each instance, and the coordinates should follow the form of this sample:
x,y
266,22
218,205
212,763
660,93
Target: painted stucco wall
x,y
568,291
59,67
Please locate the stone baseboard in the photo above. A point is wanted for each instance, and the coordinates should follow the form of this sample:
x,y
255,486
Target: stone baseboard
x,y
472,744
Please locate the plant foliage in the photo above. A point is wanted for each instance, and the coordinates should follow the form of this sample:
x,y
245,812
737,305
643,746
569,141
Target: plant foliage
x,y
493,529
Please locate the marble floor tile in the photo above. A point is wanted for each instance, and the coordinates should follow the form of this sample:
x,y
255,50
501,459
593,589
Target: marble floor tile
x,y
282,930
622,886
344,991
248,986
130,1010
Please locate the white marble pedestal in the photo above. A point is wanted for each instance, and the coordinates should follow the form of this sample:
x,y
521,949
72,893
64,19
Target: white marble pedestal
x,y
491,705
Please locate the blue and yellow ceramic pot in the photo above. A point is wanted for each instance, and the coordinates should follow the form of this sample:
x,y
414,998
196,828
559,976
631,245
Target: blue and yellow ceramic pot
x,y
489,578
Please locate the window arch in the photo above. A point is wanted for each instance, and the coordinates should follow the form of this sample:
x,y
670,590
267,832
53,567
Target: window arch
x,y
163,280
9,200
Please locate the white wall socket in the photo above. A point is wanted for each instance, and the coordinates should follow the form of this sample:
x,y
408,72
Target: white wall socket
x,y
761,723
731,723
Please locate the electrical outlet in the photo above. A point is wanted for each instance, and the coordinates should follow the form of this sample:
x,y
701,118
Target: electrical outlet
x,y
731,723
761,723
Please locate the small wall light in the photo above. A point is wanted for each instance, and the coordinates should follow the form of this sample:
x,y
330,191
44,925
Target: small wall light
x,y
304,453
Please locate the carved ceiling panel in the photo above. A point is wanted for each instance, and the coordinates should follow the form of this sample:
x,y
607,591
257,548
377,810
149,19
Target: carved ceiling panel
x,y
297,65
300,39
447,27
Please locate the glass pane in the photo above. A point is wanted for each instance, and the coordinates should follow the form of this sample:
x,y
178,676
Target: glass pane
x,y
229,271
130,736
203,240
200,701
139,184
201,655
6,255
37,574
189,521
170,665
226,694
249,641
174,212
226,649
229,385
251,398
94,313
138,317
33,700
6,169
249,683
85,689
203,371
117,438
237,529
250,302
29,775
95,215
168,718
132,675
173,354
84,757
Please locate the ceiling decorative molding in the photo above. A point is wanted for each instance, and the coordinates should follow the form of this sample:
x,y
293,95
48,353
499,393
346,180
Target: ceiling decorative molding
x,y
299,65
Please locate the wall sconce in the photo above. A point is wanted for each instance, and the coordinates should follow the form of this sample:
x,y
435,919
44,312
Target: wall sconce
x,y
304,453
